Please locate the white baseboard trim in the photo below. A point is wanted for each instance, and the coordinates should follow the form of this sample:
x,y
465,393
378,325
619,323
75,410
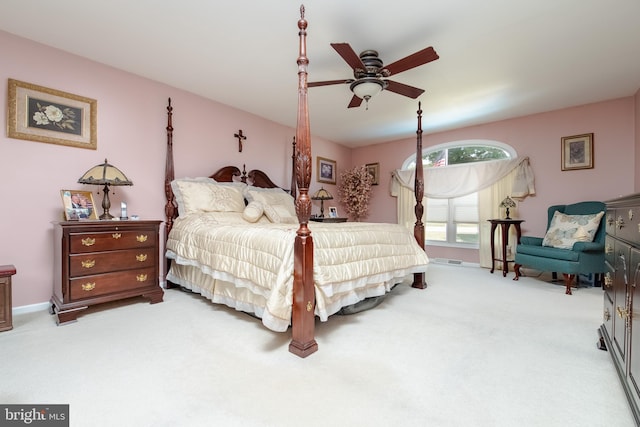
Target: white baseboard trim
x,y
454,262
31,308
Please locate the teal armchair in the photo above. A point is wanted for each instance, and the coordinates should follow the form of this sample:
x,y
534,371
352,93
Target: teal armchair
x,y
573,244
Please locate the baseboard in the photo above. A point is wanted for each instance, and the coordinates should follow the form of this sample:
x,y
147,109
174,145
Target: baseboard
x,y
41,306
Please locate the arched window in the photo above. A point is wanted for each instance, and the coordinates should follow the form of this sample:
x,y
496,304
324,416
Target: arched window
x,y
455,221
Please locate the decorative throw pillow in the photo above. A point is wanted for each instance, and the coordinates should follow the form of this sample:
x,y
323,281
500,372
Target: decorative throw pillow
x,y
253,211
278,205
565,230
207,195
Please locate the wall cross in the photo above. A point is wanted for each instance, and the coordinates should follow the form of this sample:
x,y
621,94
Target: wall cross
x,y
241,138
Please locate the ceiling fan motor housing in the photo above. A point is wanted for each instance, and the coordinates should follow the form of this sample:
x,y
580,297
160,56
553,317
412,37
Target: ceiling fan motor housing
x,y
373,65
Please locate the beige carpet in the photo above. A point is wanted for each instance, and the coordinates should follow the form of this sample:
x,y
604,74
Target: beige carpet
x,y
474,349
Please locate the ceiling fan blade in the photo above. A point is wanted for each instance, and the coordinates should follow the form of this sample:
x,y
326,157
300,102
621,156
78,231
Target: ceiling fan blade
x,y
403,89
355,102
329,82
349,55
419,58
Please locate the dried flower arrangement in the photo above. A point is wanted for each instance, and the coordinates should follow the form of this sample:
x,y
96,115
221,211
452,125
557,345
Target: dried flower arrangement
x,y
354,191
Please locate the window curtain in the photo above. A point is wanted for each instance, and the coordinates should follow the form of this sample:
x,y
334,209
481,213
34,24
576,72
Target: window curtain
x,y
493,180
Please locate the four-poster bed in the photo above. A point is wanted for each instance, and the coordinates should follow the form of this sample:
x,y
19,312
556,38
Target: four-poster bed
x,y
254,249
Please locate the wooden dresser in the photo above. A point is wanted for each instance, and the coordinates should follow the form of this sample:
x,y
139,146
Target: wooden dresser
x,y
101,261
6,307
620,333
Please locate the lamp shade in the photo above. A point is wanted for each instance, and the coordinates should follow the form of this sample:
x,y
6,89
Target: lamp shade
x,y
322,195
507,203
105,174
366,88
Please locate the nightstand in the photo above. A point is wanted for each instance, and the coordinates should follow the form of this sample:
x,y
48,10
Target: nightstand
x,y
6,308
328,219
504,224
102,261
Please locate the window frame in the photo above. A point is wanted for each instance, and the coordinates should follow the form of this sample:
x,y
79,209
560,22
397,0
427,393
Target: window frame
x,y
451,224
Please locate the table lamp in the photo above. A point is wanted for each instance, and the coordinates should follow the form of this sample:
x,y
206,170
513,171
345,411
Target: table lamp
x,y
322,195
507,203
105,174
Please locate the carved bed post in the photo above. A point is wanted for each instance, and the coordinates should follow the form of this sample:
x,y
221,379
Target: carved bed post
x,y
418,229
303,317
170,207
293,190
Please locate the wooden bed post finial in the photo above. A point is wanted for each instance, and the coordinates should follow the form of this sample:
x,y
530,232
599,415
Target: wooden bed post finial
x,y
418,229
303,342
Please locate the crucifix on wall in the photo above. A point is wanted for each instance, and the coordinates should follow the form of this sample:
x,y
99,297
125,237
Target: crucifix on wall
x,y
241,138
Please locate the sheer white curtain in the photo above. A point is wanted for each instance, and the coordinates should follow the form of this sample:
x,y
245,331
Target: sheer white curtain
x,y
493,180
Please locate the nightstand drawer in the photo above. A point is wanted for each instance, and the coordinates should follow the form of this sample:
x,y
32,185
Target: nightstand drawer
x,y
102,262
101,284
101,241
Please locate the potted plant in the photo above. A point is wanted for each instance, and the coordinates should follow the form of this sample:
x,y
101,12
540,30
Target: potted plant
x,y
354,191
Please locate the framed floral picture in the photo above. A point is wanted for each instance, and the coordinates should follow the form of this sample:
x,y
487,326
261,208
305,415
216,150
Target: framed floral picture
x,y
37,113
326,170
78,205
577,152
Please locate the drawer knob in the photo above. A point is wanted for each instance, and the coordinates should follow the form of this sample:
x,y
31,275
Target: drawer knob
x,y
141,257
608,249
607,315
89,263
141,277
142,238
89,286
88,241
622,312
620,223
608,281
116,235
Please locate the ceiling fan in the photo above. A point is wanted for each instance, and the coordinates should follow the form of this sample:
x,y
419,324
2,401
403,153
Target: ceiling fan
x,y
369,72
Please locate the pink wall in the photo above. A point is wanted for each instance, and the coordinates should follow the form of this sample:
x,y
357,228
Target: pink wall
x,y
131,134
637,140
537,136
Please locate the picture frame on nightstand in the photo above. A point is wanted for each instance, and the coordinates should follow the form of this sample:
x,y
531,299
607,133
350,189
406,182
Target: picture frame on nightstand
x,y
333,212
78,205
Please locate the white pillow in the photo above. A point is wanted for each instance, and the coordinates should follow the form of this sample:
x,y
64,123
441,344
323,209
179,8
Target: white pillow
x,y
207,195
278,205
565,230
253,211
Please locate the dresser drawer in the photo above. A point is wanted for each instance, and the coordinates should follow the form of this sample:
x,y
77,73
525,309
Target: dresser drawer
x,y
101,284
103,262
105,241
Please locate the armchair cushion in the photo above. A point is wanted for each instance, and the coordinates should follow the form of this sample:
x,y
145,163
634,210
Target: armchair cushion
x,y
565,230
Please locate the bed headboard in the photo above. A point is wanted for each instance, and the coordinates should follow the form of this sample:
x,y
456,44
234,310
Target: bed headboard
x,y
255,177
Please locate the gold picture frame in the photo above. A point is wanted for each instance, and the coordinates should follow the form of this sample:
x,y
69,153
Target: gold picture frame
x,y
326,170
374,171
37,113
78,205
577,152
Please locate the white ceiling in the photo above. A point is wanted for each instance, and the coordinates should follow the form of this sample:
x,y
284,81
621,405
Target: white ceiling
x,y
498,58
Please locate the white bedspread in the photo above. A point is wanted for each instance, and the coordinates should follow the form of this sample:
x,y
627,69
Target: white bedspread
x,y
352,261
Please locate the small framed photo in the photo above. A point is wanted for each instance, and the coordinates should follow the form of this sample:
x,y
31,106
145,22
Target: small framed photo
x,y
326,170
37,113
333,212
78,205
577,152
374,171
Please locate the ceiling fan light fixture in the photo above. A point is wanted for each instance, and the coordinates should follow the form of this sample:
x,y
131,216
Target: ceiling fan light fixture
x,y
367,88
